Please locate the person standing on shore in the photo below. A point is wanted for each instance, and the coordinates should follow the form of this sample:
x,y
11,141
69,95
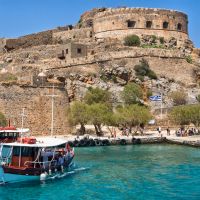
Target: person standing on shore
x,y
168,131
159,130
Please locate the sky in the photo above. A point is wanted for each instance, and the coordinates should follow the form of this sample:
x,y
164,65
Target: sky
x,y
21,17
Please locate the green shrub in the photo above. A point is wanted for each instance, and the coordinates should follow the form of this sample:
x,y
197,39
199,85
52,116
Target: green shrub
x,y
152,74
132,40
178,97
162,40
143,69
114,78
186,114
198,98
149,93
189,59
153,38
132,93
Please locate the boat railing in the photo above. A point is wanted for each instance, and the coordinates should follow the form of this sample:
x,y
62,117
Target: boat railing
x,y
40,163
5,159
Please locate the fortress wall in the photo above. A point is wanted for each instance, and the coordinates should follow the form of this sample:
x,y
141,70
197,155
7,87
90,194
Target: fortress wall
x,y
121,34
2,44
132,53
42,38
113,20
37,108
74,34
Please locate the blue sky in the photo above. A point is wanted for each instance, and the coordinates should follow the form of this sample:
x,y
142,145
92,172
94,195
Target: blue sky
x,y
20,17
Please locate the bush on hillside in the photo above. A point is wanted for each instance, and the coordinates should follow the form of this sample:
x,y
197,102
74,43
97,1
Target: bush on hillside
x,y
132,40
178,97
143,69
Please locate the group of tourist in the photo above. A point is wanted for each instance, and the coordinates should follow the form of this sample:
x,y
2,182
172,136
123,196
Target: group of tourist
x,y
181,132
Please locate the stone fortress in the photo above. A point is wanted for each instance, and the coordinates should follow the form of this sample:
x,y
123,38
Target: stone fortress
x,y
73,58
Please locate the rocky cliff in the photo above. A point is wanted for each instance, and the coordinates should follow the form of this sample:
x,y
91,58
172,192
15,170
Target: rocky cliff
x,y
31,65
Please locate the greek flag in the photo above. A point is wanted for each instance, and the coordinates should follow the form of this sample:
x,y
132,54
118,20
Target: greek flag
x,y
155,98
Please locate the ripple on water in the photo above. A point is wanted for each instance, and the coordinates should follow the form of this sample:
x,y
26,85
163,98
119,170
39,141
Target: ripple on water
x,y
121,172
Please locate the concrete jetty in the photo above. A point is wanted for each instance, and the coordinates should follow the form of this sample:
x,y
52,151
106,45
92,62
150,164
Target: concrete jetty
x,y
86,141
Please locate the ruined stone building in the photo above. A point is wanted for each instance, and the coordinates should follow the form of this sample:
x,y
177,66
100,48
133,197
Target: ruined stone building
x,y
92,54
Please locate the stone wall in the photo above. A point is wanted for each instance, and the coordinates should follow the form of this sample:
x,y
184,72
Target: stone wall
x,y
42,38
159,22
134,52
2,44
37,108
74,34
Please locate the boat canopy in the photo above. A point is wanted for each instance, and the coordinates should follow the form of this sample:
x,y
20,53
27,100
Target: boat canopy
x,y
40,143
24,130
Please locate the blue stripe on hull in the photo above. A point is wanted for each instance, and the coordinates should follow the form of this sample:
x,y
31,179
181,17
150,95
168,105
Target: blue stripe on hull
x,y
13,178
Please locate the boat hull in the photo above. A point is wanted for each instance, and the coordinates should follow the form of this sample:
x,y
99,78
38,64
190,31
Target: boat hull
x,y
7,176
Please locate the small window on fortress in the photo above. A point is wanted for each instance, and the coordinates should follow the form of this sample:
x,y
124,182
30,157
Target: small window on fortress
x,y
148,24
79,50
131,24
66,51
165,25
179,26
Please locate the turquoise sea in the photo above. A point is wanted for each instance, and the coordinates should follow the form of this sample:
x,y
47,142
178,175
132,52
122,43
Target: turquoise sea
x,y
120,172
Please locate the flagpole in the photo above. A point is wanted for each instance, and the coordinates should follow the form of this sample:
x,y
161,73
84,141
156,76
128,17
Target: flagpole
x,y
161,106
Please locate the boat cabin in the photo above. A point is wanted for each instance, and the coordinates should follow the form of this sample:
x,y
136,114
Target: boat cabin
x,y
29,156
11,134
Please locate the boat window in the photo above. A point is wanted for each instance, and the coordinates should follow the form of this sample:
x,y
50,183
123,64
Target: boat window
x,y
10,135
6,150
5,135
25,151
16,151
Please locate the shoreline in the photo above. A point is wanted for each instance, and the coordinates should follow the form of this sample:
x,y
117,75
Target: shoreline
x,y
91,141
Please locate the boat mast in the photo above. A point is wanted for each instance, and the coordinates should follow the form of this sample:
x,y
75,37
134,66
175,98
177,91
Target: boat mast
x,y
22,126
52,109
20,153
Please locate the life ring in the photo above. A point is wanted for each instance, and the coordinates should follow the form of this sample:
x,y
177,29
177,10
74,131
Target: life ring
x,y
123,142
136,141
82,143
91,143
105,142
98,142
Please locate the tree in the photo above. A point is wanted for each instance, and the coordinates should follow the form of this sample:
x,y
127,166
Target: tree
x,y
132,40
98,115
132,93
186,114
97,95
133,115
111,119
79,114
3,121
178,97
